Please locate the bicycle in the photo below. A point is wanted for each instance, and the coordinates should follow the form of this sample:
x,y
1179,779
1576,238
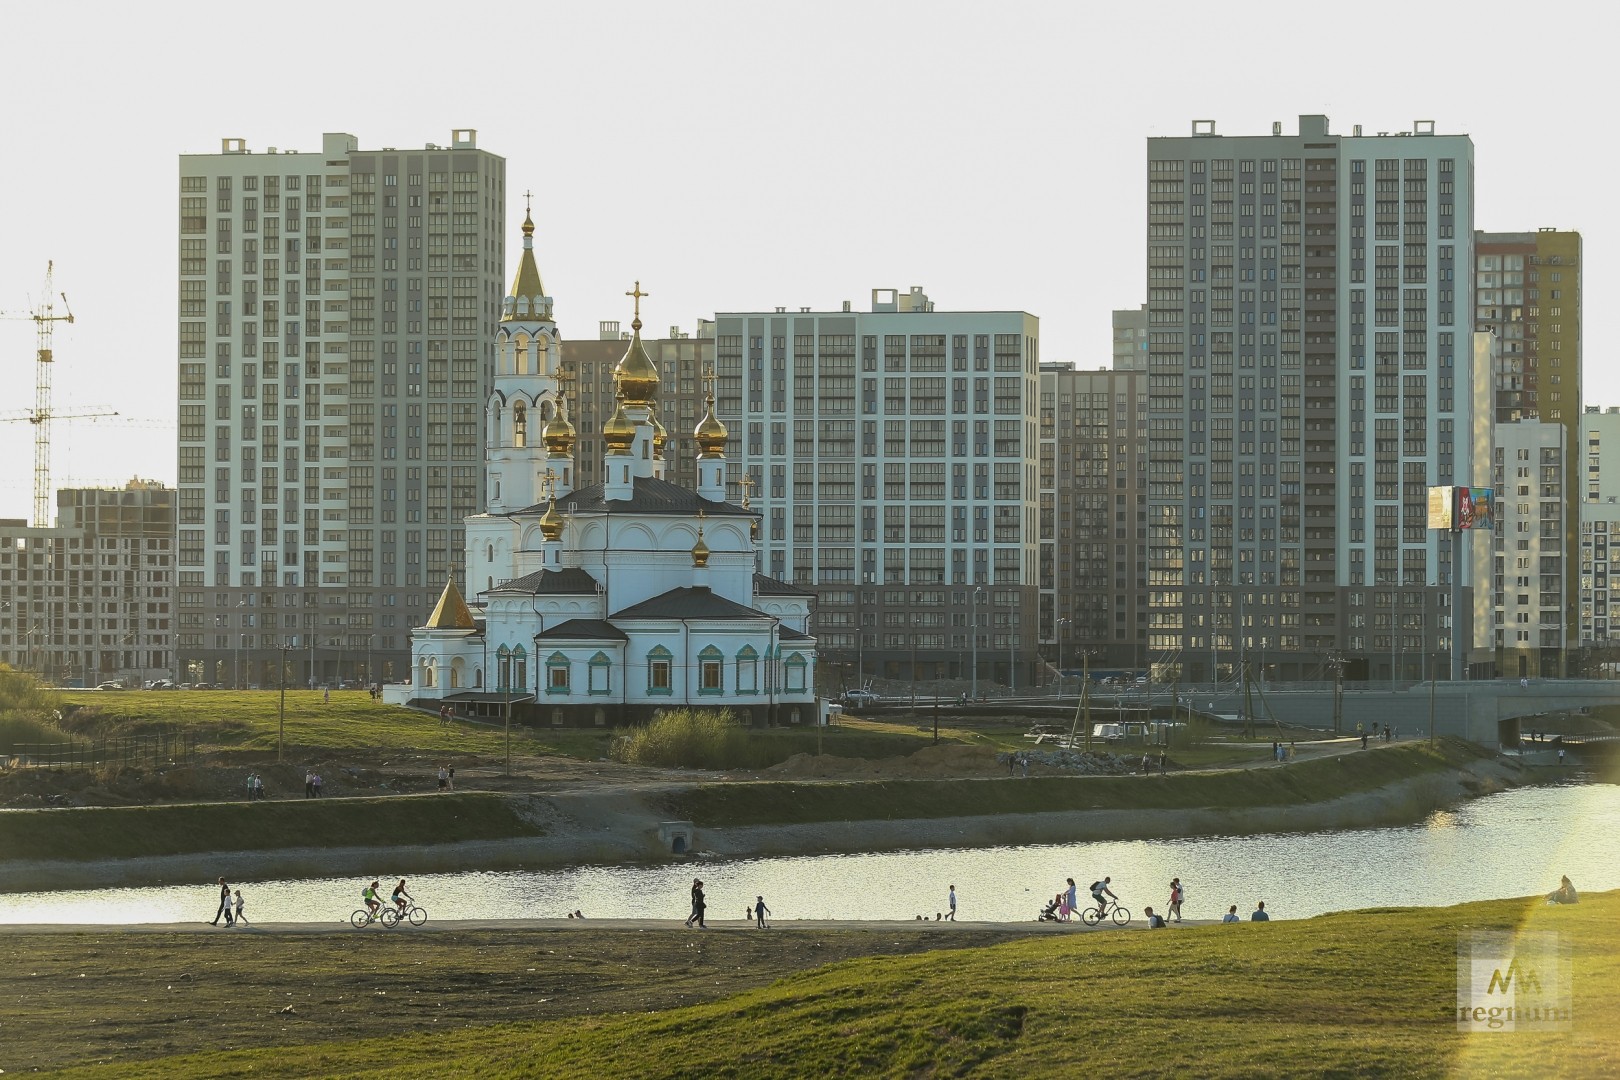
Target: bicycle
x,y
387,914
416,915
1092,916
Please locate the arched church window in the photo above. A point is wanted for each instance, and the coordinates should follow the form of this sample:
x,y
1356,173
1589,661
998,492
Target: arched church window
x,y
520,425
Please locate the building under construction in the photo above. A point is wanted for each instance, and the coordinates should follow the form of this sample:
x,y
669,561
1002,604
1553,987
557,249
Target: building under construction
x,y
91,599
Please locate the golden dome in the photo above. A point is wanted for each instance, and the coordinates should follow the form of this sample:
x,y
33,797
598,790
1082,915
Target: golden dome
x,y
559,433
660,437
551,522
635,374
711,434
700,552
619,432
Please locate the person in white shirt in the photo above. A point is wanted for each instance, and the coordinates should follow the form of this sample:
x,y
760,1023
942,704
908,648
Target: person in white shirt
x,y
1155,922
1231,915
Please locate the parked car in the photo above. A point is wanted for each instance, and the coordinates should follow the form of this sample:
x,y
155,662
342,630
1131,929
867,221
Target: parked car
x,y
855,699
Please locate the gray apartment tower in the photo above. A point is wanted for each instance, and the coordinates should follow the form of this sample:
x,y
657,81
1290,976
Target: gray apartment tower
x,y
892,454
337,312
1310,376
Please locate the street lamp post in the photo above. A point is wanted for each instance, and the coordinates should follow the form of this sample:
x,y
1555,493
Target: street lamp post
x,y
281,726
974,631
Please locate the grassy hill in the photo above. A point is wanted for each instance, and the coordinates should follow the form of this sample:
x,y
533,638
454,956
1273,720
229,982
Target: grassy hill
x,y
1362,994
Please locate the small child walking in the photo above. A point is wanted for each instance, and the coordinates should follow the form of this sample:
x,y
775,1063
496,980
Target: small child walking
x,y
760,911
239,916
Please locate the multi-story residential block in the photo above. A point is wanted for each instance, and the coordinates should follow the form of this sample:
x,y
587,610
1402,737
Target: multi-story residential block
x,y
1309,310
1093,476
1533,606
337,316
1599,553
893,456
91,598
1528,293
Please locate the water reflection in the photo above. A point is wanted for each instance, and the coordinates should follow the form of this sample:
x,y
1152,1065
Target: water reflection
x,y
1514,843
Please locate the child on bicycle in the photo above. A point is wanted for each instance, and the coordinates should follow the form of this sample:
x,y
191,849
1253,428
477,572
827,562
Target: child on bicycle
x,y
401,896
370,896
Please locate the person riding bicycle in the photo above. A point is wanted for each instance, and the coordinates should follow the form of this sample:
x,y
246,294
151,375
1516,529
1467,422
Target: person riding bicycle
x,y
400,896
1099,889
372,899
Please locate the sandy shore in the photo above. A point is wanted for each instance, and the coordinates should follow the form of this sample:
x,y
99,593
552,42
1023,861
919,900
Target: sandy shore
x,y
617,825
583,927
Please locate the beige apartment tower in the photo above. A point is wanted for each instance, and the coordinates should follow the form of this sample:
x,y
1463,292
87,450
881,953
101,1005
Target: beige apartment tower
x,y
337,312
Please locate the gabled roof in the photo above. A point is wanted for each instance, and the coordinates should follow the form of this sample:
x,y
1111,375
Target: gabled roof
x,y
769,586
583,629
693,602
452,612
649,495
570,581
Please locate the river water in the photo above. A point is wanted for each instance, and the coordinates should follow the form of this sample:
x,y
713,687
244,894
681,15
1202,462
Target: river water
x,y
1512,844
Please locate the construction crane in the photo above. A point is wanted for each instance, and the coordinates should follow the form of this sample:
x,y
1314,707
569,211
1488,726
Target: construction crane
x,y
45,318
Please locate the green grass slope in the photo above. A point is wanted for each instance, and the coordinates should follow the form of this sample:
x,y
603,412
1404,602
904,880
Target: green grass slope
x,y
719,805
193,828
1366,994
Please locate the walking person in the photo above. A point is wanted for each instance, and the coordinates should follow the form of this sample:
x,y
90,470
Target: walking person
x,y
309,783
224,901
317,785
452,778
697,904
952,915
240,918
444,777
1071,900
1176,894
760,911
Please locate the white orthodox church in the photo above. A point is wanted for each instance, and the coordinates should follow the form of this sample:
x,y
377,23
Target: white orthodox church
x,y
601,605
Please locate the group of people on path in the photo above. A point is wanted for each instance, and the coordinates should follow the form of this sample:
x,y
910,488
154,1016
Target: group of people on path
x,y
758,912
255,787
230,906
312,784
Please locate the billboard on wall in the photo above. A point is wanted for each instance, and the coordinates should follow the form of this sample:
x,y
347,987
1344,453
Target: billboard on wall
x,y
1459,508
1473,508
1440,504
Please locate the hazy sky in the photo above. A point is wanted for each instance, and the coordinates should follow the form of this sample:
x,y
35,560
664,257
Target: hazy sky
x,y
739,156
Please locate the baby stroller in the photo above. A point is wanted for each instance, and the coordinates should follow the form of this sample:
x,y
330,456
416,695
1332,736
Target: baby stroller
x,y
1049,914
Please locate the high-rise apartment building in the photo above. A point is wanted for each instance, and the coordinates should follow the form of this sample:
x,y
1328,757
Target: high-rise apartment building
x,y
1528,294
91,598
1310,375
337,322
1533,606
893,456
1093,476
1599,552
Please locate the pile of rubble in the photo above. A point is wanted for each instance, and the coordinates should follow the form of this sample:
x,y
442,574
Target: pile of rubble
x,y
1058,759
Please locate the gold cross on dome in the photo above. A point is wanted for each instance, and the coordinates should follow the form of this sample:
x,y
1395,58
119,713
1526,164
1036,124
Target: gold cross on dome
x,y
747,486
638,294
527,196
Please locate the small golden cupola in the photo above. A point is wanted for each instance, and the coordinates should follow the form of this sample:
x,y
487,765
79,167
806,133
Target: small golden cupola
x,y
660,437
700,550
551,522
559,433
635,375
711,434
618,432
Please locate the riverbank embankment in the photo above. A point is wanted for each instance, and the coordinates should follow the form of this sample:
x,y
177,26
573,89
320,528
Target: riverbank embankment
x,y
80,848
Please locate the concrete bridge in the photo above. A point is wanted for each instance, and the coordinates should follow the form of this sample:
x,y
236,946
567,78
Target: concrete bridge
x,y
1489,713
